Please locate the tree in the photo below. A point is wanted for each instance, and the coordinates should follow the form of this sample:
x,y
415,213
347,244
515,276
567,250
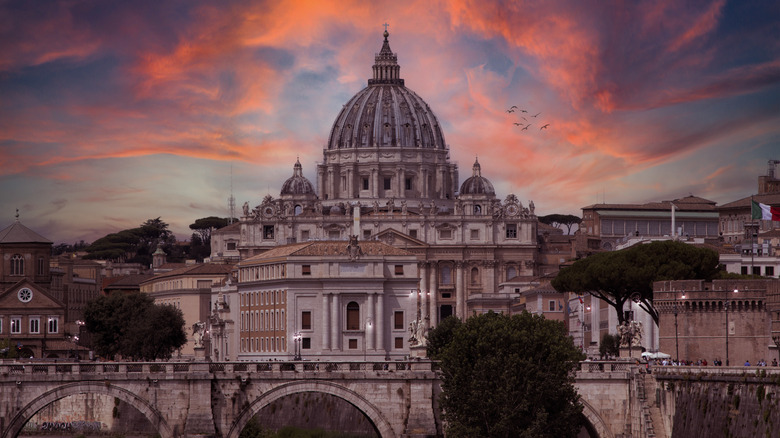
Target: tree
x,y
203,226
136,244
609,345
510,376
441,336
133,326
557,220
618,276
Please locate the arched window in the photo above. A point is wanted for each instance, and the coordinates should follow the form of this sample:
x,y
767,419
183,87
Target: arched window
x,y
511,272
477,210
298,210
474,276
17,265
41,266
353,316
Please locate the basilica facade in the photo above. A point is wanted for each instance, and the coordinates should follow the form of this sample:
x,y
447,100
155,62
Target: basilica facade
x,y
386,176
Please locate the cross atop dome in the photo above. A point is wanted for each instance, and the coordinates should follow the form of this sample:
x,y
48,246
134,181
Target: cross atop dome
x,y
386,68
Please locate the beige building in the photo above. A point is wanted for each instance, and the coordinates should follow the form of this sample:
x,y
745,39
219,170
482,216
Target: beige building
x,y
611,226
188,289
328,300
386,175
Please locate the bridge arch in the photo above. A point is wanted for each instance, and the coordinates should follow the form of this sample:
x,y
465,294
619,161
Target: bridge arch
x,y
598,423
355,399
153,415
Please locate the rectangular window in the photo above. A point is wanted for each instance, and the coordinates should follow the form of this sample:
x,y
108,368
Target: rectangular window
x,y
231,246
399,343
474,234
744,270
413,234
54,325
398,320
306,320
268,231
16,325
511,231
353,344
306,270
399,269
757,270
41,266
1,325
408,184
365,183
769,271
304,235
445,234
366,234
387,183
551,305
35,325
306,343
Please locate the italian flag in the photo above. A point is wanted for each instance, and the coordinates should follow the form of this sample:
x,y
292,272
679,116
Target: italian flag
x,y
764,212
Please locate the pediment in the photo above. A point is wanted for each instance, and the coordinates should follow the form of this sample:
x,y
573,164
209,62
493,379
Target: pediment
x,y
39,299
398,239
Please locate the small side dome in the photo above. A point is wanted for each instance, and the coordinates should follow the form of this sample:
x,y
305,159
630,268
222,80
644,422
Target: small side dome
x,y
297,184
477,184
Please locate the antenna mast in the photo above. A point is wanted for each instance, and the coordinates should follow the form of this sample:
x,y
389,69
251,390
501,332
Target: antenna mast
x,y
231,199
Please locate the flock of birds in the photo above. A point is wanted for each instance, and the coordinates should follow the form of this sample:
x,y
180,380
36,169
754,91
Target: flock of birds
x,y
525,124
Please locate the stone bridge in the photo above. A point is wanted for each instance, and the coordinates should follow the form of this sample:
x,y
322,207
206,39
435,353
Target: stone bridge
x,y
218,399
189,399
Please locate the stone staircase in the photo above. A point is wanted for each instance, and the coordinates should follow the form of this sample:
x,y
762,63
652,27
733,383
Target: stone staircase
x,y
650,411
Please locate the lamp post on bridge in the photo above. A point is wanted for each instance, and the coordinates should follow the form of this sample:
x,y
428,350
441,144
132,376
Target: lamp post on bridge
x,y
297,339
676,336
728,304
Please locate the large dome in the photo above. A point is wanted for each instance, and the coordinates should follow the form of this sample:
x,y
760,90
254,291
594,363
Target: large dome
x,y
386,113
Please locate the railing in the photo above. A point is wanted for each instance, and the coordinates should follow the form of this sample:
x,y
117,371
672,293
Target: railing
x,y
605,366
132,369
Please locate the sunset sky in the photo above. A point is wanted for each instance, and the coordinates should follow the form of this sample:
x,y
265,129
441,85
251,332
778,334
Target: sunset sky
x,y
114,112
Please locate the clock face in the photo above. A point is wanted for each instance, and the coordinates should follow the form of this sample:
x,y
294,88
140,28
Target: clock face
x,y
268,211
511,209
25,294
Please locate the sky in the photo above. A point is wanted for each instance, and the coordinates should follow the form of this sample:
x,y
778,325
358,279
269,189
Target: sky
x,y
115,112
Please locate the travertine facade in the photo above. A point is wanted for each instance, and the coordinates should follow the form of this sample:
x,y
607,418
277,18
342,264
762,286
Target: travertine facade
x,y
386,175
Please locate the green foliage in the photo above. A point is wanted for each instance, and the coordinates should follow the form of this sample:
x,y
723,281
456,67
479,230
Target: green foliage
x,y
253,429
557,220
64,248
512,376
136,244
133,326
609,345
441,336
618,276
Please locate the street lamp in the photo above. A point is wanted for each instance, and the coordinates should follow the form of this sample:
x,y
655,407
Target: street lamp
x,y
365,336
676,338
728,304
297,339
583,307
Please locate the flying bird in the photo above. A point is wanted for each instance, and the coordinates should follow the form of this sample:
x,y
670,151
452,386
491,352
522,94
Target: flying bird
x,y
523,111
526,128
544,127
518,124
513,107
510,110
536,115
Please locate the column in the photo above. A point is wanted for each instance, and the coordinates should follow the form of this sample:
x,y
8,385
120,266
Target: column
x,y
348,188
434,296
331,188
375,183
489,277
325,322
423,309
460,298
370,315
335,323
379,323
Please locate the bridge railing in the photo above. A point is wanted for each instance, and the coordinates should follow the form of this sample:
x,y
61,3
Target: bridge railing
x,y
602,366
172,368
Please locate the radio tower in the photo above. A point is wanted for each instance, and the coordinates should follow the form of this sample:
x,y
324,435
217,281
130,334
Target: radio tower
x,y
231,199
